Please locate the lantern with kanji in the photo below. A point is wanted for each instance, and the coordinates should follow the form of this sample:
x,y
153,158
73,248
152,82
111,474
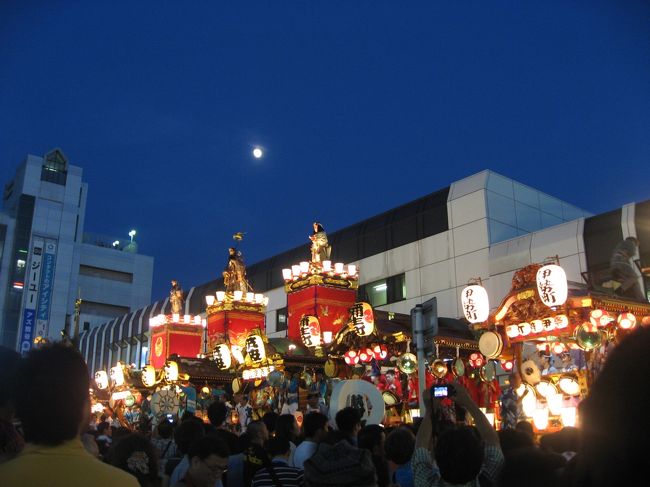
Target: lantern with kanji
x,y
362,319
149,376
255,348
552,285
310,331
101,379
171,371
221,356
117,374
476,304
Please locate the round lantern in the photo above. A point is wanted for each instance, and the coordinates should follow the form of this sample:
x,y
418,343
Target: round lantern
x,y
524,329
117,374
101,379
380,352
362,319
237,354
507,365
552,285
351,357
537,326
221,356
626,321
476,304
171,371
569,385
599,317
310,331
366,355
560,321
512,331
149,376
476,360
255,348
559,348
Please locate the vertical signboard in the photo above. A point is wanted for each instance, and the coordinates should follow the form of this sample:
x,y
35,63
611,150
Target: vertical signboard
x,y
32,283
45,291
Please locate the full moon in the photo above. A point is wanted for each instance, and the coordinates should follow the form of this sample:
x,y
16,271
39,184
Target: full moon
x,y
257,153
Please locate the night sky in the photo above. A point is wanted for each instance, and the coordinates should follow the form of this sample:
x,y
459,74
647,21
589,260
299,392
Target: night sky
x,y
359,105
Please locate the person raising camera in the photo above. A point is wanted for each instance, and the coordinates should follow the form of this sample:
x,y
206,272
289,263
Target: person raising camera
x,y
455,455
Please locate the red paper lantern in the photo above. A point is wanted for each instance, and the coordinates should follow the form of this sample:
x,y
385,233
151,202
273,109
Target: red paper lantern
x,y
626,321
366,355
351,357
507,365
476,360
559,348
380,352
600,317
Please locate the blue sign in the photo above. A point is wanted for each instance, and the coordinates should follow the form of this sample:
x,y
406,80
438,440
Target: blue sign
x,y
47,283
28,331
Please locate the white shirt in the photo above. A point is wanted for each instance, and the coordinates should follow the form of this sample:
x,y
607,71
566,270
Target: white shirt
x,y
304,452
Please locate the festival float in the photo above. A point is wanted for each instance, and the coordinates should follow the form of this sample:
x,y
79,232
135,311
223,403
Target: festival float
x,y
555,336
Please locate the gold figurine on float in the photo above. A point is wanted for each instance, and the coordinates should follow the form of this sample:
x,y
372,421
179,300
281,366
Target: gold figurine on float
x,y
320,247
176,299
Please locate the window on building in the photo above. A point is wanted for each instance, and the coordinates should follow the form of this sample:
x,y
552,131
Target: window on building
x,y
281,319
110,274
55,168
385,291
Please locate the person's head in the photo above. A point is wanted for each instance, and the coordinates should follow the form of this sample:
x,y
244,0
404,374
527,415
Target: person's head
x,y
287,427
348,421
279,447
317,227
242,399
217,413
9,363
258,432
188,433
136,455
459,454
372,438
270,419
315,426
104,428
390,376
613,440
55,377
512,439
634,240
525,427
531,467
208,461
399,446
165,429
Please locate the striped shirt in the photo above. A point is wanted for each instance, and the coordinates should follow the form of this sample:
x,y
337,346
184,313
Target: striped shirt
x,y
287,476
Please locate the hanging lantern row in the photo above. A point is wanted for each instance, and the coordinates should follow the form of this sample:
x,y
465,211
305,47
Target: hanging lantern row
x,y
238,296
366,355
176,319
304,269
601,318
535,327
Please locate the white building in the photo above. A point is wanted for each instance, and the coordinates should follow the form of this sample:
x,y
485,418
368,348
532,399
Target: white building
x,y
485,226
47,260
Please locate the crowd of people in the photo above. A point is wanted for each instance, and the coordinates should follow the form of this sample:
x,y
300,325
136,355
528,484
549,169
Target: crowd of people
x,y
45,438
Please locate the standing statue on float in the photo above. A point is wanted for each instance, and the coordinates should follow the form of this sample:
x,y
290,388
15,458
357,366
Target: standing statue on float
x,y
320,248
176,299
234,277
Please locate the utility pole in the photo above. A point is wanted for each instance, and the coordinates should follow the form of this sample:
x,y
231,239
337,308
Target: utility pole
x,y
424,322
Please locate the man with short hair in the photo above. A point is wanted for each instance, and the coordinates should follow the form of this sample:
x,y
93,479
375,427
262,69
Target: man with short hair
x,y
186,435
208,458
315,427
348,422
217,413
56,377
278,472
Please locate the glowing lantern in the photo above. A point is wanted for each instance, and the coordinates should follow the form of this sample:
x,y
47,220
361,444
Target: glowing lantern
x,y
310,331
380,352
537,326
546,389
209,299
362,318
476,304
366,355
149,376
327,265
561,321
304,267
559,348
171,371
237,354
237,295
117,374
555,404
524,329
599,317
540,418
476,360
221,295
552,285
250,297
352,269
295,270
255,348
568,416
512,331
507,365
351,357
549,324
101,379
569,385
626,321
286,274
221,356
327,337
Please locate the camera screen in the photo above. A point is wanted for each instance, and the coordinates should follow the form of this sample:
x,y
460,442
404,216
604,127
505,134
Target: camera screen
x,y
440,391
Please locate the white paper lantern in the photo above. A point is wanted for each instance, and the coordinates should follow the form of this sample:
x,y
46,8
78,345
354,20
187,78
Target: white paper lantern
x,y
171,371
362,319
149,376
255,348
221,356
476,304
552,285
117,374
101,379
310,331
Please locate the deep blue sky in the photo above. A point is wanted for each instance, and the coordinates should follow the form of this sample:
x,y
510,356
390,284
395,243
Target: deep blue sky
x,y
361,106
